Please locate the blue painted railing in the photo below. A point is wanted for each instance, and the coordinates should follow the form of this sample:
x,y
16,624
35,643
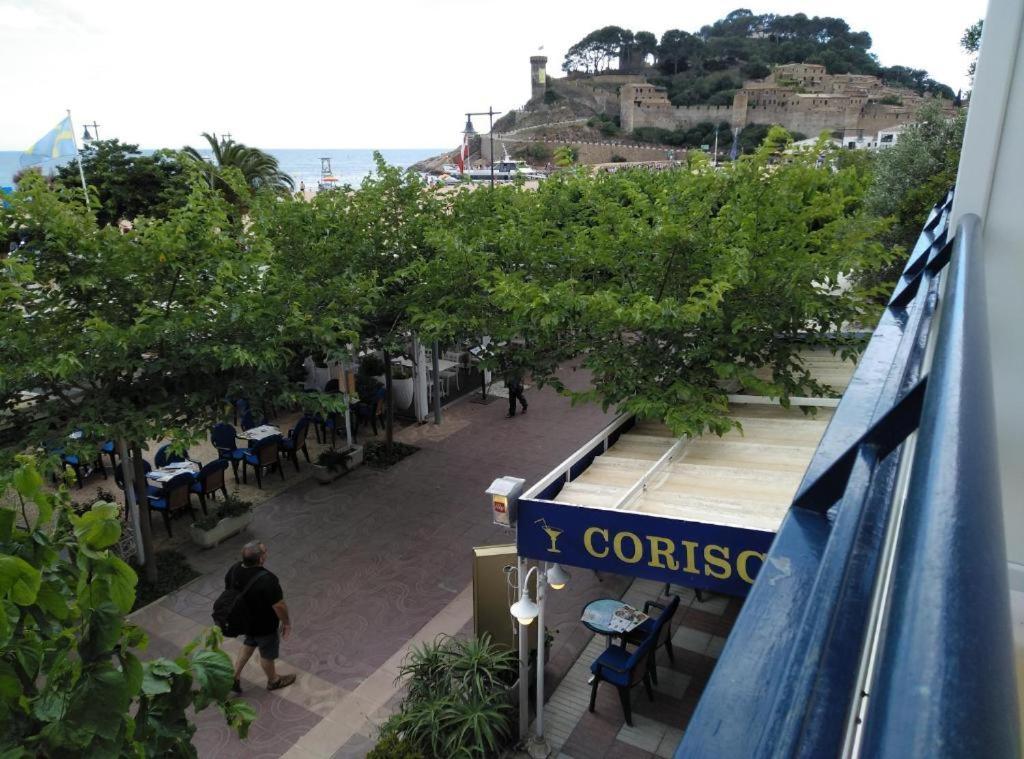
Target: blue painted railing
x,y
879,625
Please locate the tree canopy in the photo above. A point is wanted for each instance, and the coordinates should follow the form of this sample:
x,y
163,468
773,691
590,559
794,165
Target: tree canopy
x,y
743,45
259,170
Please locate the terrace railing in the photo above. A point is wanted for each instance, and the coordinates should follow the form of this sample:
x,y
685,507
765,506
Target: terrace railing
x,y
879,625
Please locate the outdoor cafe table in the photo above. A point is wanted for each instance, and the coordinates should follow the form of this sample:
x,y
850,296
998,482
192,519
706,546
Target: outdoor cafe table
x,y
597,616
170,470
258,433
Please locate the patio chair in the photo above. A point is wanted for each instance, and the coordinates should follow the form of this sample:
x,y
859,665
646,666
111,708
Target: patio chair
x,y
623,669
262,455
164,456
659,628
74,462
111,450
296,441
223,437
173,495
146,468
209,480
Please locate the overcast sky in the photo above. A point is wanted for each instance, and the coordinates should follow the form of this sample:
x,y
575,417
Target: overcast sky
x,y
355,74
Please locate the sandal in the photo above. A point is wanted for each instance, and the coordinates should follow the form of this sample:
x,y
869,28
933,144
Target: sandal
x,y
283,681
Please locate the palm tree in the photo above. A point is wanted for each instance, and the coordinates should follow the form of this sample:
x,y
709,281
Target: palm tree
x,y
260,169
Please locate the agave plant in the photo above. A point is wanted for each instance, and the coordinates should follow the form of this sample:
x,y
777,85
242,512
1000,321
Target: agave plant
x,y
259,169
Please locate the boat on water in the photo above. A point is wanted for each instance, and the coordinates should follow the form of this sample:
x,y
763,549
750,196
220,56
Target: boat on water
x,y
505,170
327,179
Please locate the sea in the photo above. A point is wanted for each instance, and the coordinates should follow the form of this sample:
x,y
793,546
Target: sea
x,y
350,165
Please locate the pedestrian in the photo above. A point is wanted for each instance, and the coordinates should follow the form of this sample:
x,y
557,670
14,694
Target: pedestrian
x,y
267,615
514,383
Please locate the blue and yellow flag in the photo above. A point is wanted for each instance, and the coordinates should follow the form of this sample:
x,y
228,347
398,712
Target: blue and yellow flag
x,y
59,142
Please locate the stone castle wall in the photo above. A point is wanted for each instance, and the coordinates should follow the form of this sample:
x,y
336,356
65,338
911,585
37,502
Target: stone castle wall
x,y
800,97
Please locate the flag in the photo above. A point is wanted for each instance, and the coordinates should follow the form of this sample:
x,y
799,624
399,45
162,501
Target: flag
x,y
59,142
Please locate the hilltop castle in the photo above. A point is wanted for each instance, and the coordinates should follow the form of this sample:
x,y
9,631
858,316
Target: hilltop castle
x,y
801,97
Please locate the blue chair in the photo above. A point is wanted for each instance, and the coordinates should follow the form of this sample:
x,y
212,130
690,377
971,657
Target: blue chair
x,y
263,454
623,670
111,450
146,468
223,437
296,441
209,480
164,456
173,495
659,628
74,463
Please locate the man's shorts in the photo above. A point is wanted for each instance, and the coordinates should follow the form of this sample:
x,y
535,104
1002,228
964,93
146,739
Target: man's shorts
x,y
269,645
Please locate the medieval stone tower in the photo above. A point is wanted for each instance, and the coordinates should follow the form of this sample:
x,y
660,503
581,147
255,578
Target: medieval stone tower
x,y
538,76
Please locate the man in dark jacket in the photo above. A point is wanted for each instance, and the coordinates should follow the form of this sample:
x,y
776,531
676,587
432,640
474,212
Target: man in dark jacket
x,y
514,383
267,612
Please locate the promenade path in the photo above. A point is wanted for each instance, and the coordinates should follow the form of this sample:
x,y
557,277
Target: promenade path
x,y
374,562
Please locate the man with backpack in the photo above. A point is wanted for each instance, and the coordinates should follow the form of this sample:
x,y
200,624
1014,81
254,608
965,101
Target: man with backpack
x,y
253,605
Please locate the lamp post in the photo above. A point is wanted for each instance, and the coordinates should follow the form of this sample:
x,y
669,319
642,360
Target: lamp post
x,y
95,135
525,611
490,113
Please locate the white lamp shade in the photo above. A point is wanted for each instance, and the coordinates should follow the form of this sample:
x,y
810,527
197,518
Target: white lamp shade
x,y
524,610
557,577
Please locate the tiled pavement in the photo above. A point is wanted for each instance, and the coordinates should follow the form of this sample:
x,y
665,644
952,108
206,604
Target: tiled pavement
x,y
699,630
373,562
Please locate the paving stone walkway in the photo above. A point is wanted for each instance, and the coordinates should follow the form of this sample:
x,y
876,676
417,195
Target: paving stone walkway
x,y
375,562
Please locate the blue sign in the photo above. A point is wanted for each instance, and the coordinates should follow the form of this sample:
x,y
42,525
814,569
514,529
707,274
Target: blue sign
x,y
694,554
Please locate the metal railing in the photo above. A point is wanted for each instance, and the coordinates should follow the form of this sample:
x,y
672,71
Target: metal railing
x,y
879,625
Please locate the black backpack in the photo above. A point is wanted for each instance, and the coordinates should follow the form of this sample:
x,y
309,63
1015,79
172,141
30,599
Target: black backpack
x,y
230,611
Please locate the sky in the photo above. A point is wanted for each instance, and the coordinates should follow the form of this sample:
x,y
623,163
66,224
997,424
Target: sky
x,y
355,74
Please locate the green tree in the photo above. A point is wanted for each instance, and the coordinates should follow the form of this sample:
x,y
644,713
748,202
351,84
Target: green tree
x,y
566,156
71,680
126,183
971,43
142,335
668,287
260,170
910,176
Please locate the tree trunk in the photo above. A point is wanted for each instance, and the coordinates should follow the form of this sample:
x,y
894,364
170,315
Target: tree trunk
x,y
389,423
143,501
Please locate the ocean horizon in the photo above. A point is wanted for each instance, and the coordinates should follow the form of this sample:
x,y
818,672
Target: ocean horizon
x,y
350,165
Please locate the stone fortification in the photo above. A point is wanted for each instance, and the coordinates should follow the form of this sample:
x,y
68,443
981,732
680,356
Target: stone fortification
x,y
802,97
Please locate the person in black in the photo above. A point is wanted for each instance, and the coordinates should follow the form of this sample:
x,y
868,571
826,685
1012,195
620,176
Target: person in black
x,y
267,612
514,383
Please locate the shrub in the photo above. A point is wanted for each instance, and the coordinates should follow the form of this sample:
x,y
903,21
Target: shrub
x,y
233,506
550,96
334,460
616,158
457,702
375,453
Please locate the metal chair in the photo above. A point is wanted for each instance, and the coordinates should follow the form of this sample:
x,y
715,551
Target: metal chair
x,y
165,456
209,480
659,629
623,669
296,441
262,455
223,437
174,495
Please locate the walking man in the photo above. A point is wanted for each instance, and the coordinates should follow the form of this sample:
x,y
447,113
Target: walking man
x,y
268,619
514,383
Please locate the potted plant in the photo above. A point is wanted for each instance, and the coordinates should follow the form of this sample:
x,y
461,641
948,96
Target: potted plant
x,y
332,464
226,519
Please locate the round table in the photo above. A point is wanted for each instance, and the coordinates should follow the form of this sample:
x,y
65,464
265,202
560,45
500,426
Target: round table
x,y
600,614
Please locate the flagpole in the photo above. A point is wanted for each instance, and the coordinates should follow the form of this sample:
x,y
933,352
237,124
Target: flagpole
x,y
78,158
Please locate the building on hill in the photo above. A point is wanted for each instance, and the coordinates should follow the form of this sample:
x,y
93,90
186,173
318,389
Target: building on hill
x,y
801,97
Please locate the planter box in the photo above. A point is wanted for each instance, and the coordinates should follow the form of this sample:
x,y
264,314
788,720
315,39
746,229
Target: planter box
x,y
225,529
323,475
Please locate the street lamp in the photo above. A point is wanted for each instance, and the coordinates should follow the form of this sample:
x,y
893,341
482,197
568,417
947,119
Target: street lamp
x,y
95,135
525,611
490,113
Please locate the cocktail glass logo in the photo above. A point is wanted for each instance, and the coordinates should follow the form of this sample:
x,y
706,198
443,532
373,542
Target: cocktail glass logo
x,y
552,532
